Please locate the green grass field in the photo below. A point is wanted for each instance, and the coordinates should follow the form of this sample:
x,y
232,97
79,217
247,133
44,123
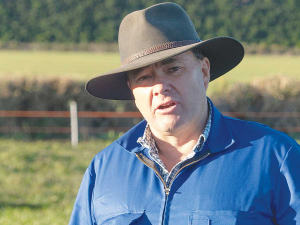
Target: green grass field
x,y
39,181
85,65
73,65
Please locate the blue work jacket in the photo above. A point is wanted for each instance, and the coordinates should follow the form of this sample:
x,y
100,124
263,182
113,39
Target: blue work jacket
x,y
247,173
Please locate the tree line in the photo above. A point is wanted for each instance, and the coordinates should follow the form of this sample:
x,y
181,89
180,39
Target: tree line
x,y
83,21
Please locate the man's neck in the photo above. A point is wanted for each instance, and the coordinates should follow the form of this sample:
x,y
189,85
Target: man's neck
x,y
173,152
176,145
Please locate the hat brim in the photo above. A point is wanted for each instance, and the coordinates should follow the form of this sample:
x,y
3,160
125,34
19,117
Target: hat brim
x,y
224,53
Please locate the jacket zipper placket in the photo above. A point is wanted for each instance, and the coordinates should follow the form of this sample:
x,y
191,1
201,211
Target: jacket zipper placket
x,y
167,189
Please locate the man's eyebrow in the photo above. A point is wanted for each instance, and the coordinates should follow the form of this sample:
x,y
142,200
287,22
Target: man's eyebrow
x,y
137,71
164,62
168,61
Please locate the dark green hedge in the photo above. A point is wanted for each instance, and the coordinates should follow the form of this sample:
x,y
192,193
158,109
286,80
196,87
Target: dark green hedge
x,y
81,21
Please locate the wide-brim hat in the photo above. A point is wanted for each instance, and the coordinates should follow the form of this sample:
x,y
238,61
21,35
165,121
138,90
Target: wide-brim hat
x,y
157,33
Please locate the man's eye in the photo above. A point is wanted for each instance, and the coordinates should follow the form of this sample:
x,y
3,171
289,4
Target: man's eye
x,y
142,78
173,69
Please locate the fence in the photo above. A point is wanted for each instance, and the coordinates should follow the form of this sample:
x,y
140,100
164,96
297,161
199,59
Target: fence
x,y
88,114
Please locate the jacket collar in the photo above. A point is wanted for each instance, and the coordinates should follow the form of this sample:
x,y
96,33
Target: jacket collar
x,y
220,136
129,140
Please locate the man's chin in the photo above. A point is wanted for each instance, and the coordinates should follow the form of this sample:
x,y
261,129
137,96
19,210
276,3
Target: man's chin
x,y
167,126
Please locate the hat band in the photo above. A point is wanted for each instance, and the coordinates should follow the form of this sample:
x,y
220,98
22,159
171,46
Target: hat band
x,y
158,48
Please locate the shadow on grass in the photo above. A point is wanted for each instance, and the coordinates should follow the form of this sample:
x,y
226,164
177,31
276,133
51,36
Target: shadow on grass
x,y
20,205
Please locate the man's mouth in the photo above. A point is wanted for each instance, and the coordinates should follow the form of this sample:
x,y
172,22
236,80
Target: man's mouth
x,y
167,105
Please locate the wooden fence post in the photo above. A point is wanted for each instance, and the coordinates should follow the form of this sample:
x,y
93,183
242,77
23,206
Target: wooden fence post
x,y
74,123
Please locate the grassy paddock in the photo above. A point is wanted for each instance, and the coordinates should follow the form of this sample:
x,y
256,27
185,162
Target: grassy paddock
x,y
39,180
85,65
73,65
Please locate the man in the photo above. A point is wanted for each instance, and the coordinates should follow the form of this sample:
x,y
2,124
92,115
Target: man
x,y
186,163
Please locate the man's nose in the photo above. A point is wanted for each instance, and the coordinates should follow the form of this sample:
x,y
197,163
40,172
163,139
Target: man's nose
x,y
162,86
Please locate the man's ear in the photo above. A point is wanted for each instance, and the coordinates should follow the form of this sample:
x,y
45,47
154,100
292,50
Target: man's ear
x,y
128,84
127,78
206,71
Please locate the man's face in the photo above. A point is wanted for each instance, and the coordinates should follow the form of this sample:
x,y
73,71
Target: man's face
x,y
171,94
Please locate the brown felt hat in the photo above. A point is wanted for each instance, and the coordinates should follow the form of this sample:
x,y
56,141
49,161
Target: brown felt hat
x,y
156,33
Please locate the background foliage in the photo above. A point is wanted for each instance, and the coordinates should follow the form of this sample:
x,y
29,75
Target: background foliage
x,y
82,21
55,95
273,94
